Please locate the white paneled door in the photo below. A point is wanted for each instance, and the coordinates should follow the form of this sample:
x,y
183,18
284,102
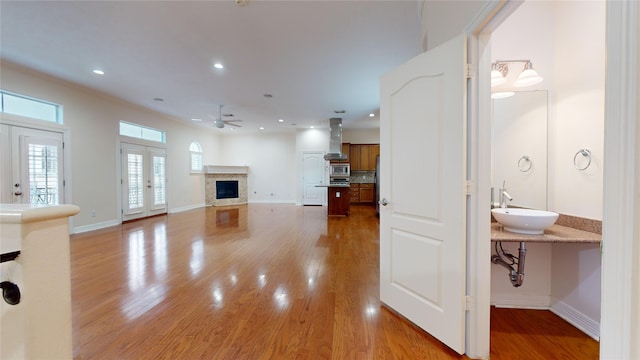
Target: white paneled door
x,y
144,182
313,174
423,172
32,162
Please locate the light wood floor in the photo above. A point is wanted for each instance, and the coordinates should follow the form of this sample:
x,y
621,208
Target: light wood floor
x,y
263,282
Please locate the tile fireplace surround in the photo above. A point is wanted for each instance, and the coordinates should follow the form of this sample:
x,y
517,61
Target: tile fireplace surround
x,y
215,173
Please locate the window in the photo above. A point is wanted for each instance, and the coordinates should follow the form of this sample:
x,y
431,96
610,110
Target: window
x,y
11,103
196,157
141,132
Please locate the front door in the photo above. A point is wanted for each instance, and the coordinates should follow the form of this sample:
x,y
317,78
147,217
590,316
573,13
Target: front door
x,y
35,173
423,162
143,181
313,165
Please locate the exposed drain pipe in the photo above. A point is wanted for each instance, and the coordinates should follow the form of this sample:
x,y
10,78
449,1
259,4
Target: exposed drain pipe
x,y
516,276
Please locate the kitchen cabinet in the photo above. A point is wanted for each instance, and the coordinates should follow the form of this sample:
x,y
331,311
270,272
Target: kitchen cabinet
x,y
363,193
338,200
354,156
355,193
367,193
363,156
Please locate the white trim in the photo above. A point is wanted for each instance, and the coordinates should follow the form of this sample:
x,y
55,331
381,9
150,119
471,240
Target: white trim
x,y
288,202
186,208
620,323
577,319
25,122
524,301
95,226
478,330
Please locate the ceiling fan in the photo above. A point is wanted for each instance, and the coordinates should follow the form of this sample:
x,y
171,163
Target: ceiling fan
x,y
220,122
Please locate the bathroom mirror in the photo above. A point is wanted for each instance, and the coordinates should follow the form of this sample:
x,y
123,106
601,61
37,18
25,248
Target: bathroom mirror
x,y
519,148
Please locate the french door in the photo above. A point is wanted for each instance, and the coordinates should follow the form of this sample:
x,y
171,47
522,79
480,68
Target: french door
x,y
144,181
32,163
423,172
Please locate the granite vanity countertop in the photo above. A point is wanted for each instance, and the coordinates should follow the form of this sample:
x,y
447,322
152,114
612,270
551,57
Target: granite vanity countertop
x,y
554,234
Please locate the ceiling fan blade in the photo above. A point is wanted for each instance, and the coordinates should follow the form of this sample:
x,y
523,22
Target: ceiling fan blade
x,y
232,124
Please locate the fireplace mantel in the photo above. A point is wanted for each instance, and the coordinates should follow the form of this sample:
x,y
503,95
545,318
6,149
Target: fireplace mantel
x,y
225,169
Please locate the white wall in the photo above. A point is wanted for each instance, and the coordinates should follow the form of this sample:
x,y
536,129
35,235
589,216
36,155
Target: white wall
x,y
93,120
578,114
361,136
271,159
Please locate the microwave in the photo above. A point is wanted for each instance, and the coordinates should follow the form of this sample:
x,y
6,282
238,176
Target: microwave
x,y
339,170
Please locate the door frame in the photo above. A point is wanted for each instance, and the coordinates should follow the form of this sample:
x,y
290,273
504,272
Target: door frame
x,y
119,185
25,122
620,277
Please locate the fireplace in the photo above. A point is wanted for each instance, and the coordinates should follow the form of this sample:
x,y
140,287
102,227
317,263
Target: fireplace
x,y
226,189
226,185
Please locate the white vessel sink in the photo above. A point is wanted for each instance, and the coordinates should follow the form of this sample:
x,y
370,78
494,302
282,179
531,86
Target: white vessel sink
x,y
524,221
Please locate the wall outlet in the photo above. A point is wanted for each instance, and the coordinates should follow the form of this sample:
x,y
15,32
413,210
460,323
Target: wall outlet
x,y
93,213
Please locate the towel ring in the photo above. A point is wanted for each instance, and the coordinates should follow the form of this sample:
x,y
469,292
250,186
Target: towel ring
x,y
522,163
586,153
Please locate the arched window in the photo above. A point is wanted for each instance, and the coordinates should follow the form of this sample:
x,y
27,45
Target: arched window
x,y
196,157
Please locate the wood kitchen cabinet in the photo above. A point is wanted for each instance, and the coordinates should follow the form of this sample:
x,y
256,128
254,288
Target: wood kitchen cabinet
x,y
367,193
354,156
362,193
363,156
355,193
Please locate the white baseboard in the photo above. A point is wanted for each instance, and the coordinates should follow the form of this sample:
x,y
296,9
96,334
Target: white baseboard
x,y
96,226
186,208
577,319
291,202
537,302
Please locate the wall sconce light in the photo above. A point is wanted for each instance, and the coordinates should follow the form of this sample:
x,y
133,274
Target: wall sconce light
x,y
500,69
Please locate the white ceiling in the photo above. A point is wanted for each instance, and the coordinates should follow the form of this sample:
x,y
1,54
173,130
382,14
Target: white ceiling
x,y
314,57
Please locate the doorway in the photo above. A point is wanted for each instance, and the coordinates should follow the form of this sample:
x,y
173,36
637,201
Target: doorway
x,y
313,175
144,181
33,165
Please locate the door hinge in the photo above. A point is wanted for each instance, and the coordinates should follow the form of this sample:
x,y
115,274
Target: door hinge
x,y
468,187
468,303
469,71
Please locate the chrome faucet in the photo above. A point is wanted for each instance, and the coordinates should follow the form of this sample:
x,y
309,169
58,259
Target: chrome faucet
x,y
504,195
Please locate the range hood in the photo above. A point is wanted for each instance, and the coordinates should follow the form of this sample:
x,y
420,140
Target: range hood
x,y
335,144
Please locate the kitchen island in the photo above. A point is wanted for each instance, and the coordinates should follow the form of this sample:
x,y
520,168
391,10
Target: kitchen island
x,y
338,199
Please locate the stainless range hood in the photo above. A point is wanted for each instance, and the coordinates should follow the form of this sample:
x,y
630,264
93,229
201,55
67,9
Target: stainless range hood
x,y
335,144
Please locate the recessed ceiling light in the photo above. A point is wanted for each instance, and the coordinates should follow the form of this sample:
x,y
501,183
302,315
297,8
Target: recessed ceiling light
x,y
312,127
218,66
280,120
98,72
261,127
196,119
372,115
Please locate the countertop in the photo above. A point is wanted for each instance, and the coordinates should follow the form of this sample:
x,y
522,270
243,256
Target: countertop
x,y
330,185
554,234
